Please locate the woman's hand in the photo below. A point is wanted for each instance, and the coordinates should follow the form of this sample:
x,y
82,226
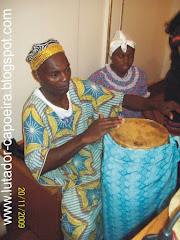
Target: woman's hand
x,y
137,103
166,108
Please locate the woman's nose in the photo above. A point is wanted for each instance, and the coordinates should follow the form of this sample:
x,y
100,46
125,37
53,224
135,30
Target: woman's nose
x,y
125,58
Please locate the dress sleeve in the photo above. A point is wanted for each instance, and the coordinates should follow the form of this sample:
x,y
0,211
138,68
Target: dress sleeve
x,y
112,107
108,103
95,77
144,84
36,141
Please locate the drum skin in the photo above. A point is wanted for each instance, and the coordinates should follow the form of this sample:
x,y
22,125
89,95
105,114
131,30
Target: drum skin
x,y
138,133
136,185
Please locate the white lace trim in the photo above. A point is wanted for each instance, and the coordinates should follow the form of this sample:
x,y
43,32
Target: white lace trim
x,y
124,79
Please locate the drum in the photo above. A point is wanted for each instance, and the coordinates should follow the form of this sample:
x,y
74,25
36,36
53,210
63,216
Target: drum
x,y
139,174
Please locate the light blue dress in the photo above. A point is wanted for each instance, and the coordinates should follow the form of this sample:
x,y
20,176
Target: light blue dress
x,y
135,185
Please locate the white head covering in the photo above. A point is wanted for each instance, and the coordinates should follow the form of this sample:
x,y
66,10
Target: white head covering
x,y
119,40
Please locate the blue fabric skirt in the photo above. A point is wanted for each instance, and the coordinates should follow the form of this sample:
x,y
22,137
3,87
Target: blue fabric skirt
x,y
135,185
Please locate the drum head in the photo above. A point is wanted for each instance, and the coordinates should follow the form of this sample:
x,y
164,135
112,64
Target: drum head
x,y
137,133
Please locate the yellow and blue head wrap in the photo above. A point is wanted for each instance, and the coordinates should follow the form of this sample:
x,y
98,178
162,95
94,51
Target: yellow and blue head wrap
x,y
42,51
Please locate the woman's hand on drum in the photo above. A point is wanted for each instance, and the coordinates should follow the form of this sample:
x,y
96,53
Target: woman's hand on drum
x,y
166,108
137,103
100,127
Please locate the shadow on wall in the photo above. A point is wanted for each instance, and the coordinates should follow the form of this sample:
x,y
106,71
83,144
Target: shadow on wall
x,y
156,66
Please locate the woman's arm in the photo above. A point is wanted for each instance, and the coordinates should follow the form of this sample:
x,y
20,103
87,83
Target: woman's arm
x,y
137,103
149,115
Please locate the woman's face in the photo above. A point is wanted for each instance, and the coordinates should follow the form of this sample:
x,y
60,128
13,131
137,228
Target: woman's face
x,y
121,62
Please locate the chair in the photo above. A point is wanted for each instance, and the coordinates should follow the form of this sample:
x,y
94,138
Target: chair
x,y
42,206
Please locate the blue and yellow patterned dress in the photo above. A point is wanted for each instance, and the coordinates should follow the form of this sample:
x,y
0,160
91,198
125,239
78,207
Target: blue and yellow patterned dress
x,y
80,176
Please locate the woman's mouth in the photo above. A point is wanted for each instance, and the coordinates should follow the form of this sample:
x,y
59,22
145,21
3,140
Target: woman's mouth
x,y
125,67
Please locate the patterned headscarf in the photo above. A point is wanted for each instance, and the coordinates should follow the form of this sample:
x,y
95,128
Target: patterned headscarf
x,y
42,51
119,40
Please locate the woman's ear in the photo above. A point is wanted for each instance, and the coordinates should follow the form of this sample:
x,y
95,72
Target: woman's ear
x,y
36,75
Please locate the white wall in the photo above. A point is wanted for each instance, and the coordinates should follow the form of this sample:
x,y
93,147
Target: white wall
x,y
116,16
79,25
93,19
114,22
144,21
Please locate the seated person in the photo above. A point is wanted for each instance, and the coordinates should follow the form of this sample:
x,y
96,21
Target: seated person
x,y
121,76
172,80
64,121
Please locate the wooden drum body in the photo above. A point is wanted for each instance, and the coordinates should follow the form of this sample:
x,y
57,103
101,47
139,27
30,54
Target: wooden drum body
x,y
139,174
